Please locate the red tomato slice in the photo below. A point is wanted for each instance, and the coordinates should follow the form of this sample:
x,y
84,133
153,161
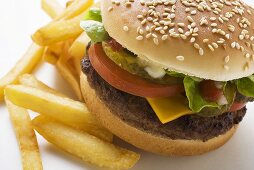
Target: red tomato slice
x,y
237,106
126,81
209,90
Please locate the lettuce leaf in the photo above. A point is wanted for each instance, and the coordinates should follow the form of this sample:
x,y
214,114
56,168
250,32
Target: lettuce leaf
x,y
196,101
245,86
93,14
95,30
174,74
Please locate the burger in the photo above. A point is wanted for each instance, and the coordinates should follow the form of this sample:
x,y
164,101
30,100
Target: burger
x,y
171,77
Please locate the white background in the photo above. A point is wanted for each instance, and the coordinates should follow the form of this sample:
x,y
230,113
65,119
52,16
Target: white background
x,y
18,20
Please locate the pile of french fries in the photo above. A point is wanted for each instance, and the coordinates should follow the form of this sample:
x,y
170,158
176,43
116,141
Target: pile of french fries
x,y
62,121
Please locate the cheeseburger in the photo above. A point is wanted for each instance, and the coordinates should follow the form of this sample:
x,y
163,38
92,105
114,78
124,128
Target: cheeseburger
x,y
170,76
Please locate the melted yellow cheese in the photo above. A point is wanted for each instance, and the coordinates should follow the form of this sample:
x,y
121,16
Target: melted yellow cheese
x,y
170,108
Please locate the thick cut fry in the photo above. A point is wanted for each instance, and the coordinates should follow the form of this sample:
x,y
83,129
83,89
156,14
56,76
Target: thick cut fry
x,y
65,26
30,80
25,65
58,31
78,47
85,146
70,76
49,56
57,107
25,136
52,8
77,7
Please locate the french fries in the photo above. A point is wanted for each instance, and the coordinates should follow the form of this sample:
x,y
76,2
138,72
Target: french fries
x,y
78,50
30,80
65,26
58,31
70,75
78,47
25,65
75,8
26,138
85,146
57,107
52,8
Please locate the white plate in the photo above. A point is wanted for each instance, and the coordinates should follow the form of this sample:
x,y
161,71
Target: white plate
x,y
18,20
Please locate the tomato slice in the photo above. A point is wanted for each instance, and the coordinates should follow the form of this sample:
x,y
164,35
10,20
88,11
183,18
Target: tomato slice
x,y
126,81
209,91
237,106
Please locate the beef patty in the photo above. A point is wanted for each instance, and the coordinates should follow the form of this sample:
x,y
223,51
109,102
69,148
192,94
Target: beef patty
x,y
137,112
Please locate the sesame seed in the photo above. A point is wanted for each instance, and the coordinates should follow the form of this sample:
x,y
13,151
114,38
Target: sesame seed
x,y
194,12
227,58
139,38
180,58
148,35
190,19
196,46
201,52
205,40
214,25
125,28
241,37
233,45
211,47
156,41
215,45
227,36
192,40
164,37
181,24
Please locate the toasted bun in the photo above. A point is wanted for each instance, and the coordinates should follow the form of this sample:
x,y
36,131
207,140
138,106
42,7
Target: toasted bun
x,y
220,47
143,140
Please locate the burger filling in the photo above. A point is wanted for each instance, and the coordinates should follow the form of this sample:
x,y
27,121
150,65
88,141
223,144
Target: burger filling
x,y
163,89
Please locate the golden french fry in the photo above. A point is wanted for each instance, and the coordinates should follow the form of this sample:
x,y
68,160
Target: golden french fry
x,y
85,146
65,26
77,7
60,108
25,136
30,80
58,31
52,8
25,65
70,76
49,56
78,47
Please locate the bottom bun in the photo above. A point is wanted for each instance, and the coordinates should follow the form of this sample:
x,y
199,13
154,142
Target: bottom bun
x,y
143,140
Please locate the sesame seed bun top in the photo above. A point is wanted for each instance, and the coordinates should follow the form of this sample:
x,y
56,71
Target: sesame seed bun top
x,y
210,39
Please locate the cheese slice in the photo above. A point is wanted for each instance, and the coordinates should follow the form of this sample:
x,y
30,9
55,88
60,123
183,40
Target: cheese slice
x,y
170,108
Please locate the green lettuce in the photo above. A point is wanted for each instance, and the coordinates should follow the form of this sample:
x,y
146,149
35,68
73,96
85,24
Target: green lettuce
x,y
175,74
245,86
95,30
196,101
93,14
92,24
